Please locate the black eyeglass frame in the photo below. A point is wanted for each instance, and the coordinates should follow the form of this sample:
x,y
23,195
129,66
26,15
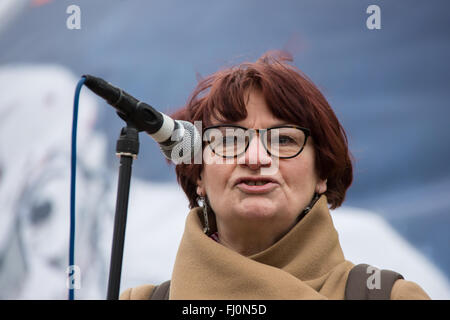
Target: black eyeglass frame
x,y
306,132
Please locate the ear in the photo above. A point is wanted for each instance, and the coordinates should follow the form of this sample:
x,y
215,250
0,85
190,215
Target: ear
x,y
321,186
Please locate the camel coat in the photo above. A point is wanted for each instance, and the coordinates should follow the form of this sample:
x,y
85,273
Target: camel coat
x,y
306,263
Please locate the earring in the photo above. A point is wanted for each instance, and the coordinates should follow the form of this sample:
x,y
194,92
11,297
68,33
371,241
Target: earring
x,y
309,206
205,215
312,203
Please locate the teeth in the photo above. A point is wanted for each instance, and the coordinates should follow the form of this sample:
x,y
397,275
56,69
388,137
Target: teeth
x,y
255,183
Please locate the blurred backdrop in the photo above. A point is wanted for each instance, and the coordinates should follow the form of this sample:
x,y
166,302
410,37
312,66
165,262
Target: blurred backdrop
x,y
389,88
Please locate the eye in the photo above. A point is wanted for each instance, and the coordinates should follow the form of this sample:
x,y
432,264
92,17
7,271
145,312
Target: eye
x,y
40,212
283,140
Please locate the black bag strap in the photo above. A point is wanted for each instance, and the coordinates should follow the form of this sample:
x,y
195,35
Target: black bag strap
x,y
358,288
161,292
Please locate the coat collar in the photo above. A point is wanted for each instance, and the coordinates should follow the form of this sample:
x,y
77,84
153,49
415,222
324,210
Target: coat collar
x,y
306,263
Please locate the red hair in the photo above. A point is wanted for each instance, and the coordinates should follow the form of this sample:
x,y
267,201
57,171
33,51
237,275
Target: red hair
x,y
291,96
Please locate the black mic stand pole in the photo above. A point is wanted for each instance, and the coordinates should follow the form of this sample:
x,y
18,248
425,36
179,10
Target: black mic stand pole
x,y
127,149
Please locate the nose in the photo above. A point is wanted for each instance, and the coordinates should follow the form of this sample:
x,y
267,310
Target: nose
x,y
256,155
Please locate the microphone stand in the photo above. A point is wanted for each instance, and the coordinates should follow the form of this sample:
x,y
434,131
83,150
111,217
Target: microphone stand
x,y
127,149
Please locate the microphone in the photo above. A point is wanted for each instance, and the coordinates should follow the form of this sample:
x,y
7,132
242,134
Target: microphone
x,y
178,140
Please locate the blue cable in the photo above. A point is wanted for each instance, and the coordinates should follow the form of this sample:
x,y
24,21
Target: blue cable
x,y
73,171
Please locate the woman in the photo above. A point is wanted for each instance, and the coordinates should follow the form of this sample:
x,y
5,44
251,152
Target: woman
x,y
274,157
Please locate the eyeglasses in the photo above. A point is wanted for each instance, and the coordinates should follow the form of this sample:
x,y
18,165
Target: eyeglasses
x,y
230,141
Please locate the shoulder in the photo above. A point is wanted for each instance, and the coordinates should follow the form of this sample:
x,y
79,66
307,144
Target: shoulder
x,y
138,293
408,290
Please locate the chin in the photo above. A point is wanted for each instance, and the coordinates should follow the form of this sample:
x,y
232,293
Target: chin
x,y
257,208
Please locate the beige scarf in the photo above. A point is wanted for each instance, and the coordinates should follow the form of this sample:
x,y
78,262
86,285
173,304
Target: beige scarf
x,y
307,263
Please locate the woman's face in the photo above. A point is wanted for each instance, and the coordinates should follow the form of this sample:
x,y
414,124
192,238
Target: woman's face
x,y
274,209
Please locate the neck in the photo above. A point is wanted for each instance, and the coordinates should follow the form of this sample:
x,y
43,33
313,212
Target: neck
x,y
247,239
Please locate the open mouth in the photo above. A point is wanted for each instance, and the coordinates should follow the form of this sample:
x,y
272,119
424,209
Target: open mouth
x,y
256,185
255,181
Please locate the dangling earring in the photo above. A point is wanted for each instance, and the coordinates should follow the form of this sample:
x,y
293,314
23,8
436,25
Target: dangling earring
x,y
309,206
205,215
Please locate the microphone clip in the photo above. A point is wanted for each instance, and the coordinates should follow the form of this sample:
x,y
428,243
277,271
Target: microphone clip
x,y
128,142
